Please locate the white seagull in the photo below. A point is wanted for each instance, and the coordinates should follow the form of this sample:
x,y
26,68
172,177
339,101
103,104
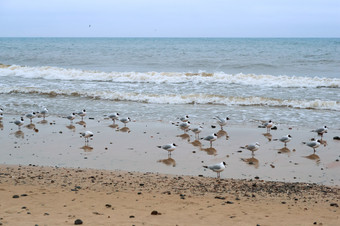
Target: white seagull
x,y
253,147
211,138
87,135
184,118
1,116
114,117
197,131
221,121
19,123
168,147
285,139
44,113
314,144
184,126
125,120
71,117
31,116
321,131
268,125
82,114
218,168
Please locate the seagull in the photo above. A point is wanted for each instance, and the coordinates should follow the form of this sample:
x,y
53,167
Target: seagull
x,y
314,144
44,112
125,120
19,123
218,168
285,139
82,114
1,116
252,147
87,135
71,117
197,131
114,117
321,131
221,121
184,118
211,138
268,125
185,126
169,148
1,110
31,116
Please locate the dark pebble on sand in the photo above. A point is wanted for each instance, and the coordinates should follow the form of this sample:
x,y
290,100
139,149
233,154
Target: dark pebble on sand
x,y
219,197
229,202
334,204
108,205
15,196
155,212
131,216
257,177
213,126
336,138
78,222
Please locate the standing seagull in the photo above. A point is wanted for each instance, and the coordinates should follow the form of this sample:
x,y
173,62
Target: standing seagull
x,y
87,135
82,114
285,139
314,144
1,116
221,121
321,131
71,117
184,118
31,116
211,138
169,148
19,123
184,126
218,168
252,147
125,120
197,131
44,113
268,125
114,117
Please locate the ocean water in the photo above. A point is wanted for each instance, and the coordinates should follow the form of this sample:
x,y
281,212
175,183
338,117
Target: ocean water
x,y
290,81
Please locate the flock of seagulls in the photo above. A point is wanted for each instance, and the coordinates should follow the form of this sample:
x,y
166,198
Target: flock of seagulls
x,y
183,125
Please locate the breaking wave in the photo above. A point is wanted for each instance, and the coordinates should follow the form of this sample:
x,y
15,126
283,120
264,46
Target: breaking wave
x,y
56,73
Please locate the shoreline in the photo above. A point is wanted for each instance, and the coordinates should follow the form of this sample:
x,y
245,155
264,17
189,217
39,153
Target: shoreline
x,y
55,196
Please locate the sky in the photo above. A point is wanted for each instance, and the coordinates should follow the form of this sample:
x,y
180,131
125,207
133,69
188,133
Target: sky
x,y
170,18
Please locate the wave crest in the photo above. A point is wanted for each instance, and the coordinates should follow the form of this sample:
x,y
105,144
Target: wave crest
x,y
57,73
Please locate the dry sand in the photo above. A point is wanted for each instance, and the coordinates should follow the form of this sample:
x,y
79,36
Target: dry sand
x,y
59,196
121,176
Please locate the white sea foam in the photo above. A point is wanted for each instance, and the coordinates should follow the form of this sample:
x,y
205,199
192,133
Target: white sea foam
x,y
179,99
57,73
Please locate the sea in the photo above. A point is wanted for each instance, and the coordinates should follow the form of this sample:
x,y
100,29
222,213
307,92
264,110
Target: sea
x,y
291,81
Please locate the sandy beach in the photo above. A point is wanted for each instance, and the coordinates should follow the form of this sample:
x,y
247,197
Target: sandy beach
x,y
49,176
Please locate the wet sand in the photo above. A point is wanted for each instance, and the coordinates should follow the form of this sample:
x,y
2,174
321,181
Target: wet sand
x,y
121,176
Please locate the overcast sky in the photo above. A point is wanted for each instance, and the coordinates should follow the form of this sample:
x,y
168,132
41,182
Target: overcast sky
x,y
170,18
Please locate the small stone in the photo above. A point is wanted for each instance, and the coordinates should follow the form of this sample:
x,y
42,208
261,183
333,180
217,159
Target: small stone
x,y
131,216
154,212
108,205
336,138
15,196
257,177
78,222
229,202
334,204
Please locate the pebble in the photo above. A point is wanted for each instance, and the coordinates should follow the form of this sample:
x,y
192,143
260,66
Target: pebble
x,y
15,196
155,212
334,204
78,222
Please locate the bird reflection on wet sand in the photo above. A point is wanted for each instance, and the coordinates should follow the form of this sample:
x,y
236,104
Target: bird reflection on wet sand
x,y
19,134
210,151
169,162
1,126
222,133
196,143
82,123
113,126
268,136
43,121
87,148
71,127
125,129
314,157
30,126
184,136
283,150
251,161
